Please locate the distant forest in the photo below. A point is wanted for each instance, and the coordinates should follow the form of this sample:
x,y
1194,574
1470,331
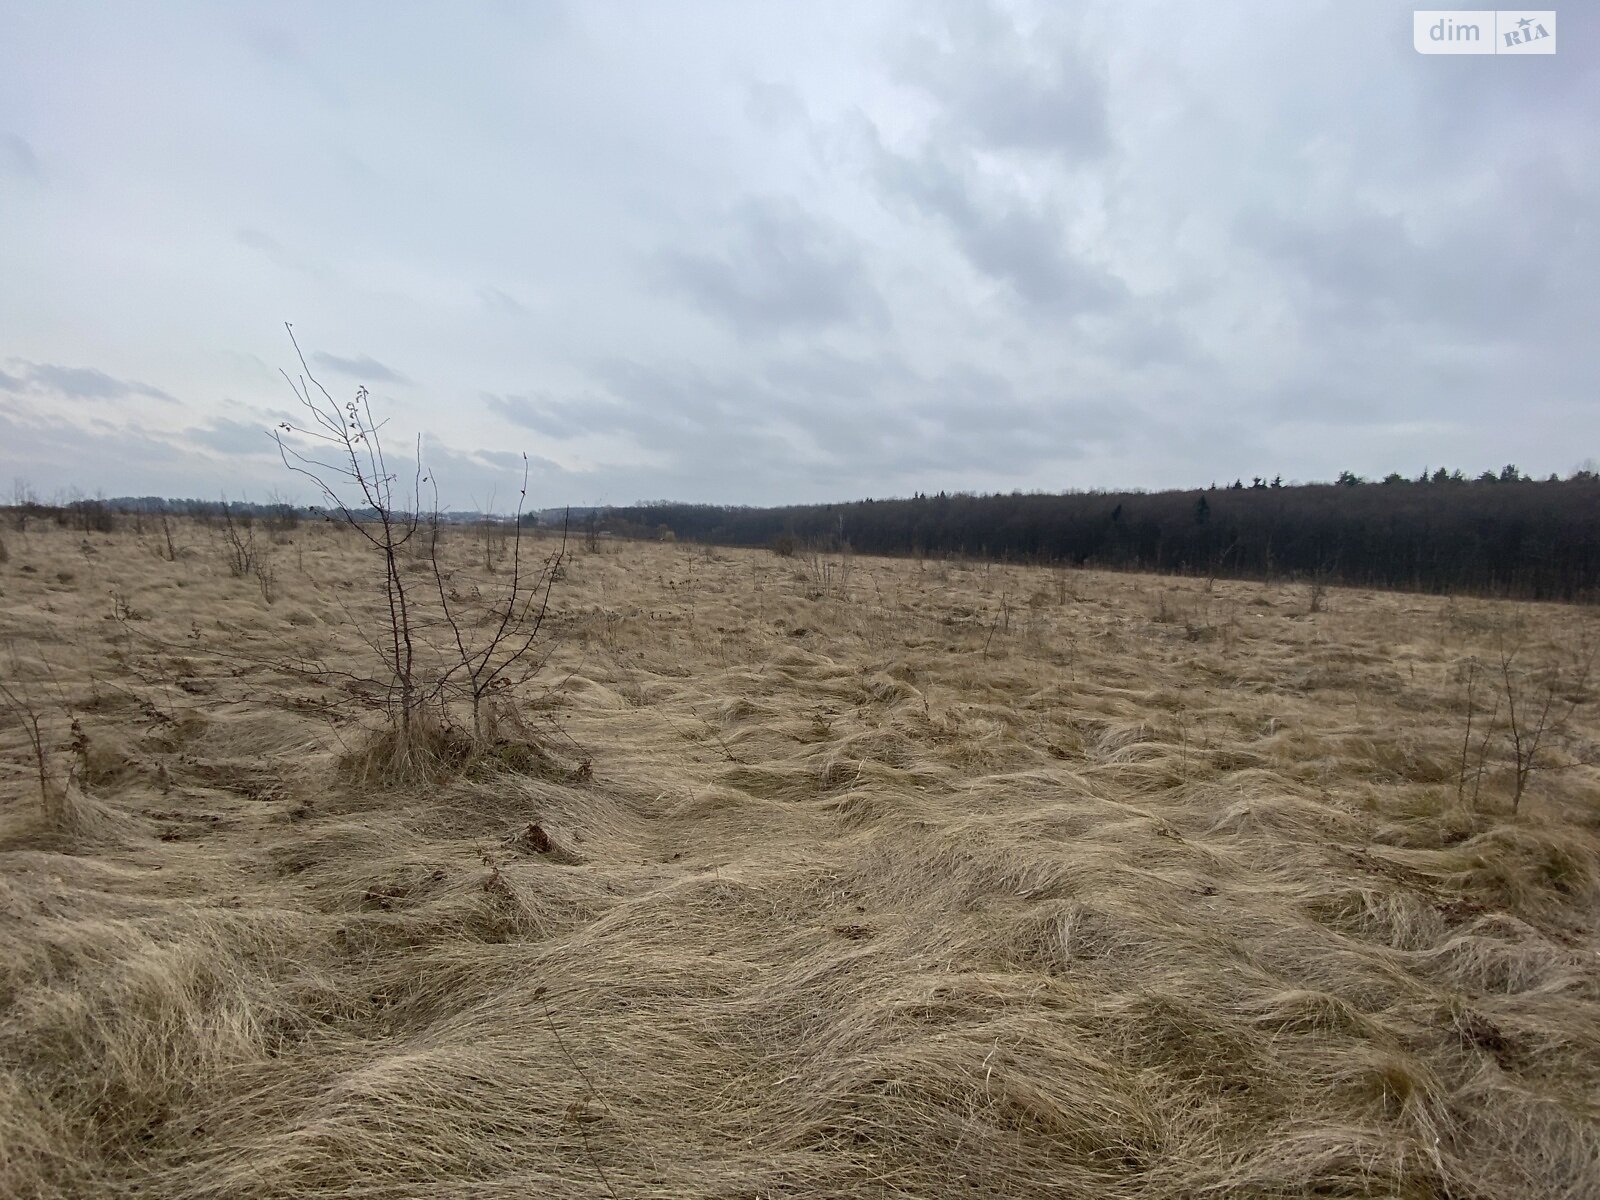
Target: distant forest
x,y
1500,534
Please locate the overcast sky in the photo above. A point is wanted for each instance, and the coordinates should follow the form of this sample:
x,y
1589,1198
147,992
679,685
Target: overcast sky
x,y
760,253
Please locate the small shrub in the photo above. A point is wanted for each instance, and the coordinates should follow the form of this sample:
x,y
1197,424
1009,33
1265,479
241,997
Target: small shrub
x,y
825,576
239,543
266,573
438,648
90,516
784,545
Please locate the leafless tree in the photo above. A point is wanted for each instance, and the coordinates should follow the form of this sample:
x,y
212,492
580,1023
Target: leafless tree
x,y
340,449
1539,706
505,655
1468,767
343,456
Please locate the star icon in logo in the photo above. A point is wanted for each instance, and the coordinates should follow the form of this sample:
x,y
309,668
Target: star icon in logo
x,y
1524,23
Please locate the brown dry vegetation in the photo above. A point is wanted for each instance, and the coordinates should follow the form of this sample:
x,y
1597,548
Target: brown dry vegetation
x,y
871,878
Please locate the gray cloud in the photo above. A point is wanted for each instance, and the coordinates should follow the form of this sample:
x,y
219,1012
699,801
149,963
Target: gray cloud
x,y
227,436
774,107
864,425
508,460
497,301
277,253
1037,92
1009,239
1480,270
260,239
54,452
76,383
1012,111
469,478
561,418
17,158
361,367
274,42
782,269
1144,339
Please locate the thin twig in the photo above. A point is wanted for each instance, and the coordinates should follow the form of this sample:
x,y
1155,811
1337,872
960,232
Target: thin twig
x,y
539,994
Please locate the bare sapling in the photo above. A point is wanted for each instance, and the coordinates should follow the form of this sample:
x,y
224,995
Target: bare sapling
x,y
29,720
24,504
238,542
507,654
244,555
1539,707
20,701
486,530
435,660
345,460
826,576
166,532
1472,767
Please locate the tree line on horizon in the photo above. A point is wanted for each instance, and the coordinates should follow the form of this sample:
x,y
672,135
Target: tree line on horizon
x,y
99,512
1499,534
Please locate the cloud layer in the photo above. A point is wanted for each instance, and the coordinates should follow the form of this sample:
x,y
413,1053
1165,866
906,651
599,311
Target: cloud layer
x,y
743,253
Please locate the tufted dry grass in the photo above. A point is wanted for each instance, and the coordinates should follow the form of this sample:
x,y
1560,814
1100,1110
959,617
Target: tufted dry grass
x,y
938,880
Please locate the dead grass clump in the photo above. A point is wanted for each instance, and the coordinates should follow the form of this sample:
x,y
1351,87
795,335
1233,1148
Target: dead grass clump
x,y
1385,1087
1195,1050
1512,1141
1279,814
1429,819
1008,1107
430,753
1335,1159
1311,1013
886,690
1406,759
785,783
1528,868
1060,935
887,745
1385,916
973,864
873,801
1501,955
157,1022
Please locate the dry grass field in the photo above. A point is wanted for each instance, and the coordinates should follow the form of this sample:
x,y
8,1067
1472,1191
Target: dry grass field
x,y
803,877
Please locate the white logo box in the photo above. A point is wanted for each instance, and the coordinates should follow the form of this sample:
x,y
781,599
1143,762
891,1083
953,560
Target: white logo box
x,y
1484,31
